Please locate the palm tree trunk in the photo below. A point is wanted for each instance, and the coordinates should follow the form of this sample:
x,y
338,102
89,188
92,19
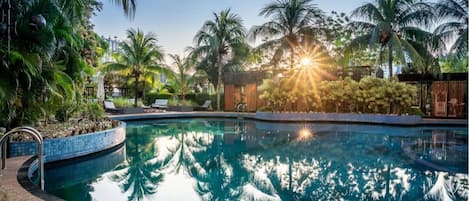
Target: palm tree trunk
x,y
390,71
390,59
219,82
143,92
136,90
292,56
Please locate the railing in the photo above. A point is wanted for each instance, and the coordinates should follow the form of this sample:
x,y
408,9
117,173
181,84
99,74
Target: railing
x,y
36,136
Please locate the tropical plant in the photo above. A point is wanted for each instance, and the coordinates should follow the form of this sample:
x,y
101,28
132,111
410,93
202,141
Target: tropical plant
x,y
291,20
455,12
182,79
94,111
392,25
36,58
370,95
129,7
453,64
216,40
121,102
139,55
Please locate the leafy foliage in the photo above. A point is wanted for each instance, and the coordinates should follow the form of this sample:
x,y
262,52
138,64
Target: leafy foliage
x,y
217,39
455,12
94,111
390,26
291,21
370,95
139,56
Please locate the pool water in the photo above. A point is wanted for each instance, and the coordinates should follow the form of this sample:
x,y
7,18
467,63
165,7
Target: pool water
x,y
236,159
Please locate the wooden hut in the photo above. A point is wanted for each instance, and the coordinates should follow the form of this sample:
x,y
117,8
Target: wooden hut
x,y
444,95
241,90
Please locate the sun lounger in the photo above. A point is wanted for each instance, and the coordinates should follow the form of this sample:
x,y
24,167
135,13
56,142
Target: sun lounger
x,y
110,107
205,106
160,103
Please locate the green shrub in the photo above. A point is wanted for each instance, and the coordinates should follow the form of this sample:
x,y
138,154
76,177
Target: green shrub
x,y
413,111
150,97
122,102
93,111
370,95
191,97
175,102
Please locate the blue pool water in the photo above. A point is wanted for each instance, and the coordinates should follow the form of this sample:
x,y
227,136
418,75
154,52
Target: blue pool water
x,y
232,159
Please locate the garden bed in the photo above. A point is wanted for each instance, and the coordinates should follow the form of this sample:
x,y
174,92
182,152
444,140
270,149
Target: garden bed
x,y
72,127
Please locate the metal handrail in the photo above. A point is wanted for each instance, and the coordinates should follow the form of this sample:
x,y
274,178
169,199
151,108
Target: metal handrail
x,y
37,137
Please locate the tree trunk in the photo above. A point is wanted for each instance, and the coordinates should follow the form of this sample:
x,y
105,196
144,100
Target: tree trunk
x,y
136,89
219,81
292,57
390,71
390,59
143,91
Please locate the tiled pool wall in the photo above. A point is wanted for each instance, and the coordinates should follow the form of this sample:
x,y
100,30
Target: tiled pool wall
x,y
71,147
341,117
410,120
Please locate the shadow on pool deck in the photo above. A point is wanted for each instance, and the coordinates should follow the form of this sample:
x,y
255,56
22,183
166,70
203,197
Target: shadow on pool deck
x,y
9,183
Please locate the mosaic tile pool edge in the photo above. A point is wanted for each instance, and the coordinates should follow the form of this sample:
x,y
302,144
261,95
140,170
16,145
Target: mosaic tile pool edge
x,y
70,147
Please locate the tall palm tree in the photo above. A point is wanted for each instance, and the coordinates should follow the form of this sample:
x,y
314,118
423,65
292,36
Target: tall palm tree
x,y
290,20
217,38
392,24
455,11
182,78
139,55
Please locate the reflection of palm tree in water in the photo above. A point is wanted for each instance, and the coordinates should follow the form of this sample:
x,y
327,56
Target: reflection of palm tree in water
x,y
223,176
141,175
198,152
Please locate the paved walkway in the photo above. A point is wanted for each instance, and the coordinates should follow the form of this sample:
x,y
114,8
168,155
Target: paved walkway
x,y
9,183
443,122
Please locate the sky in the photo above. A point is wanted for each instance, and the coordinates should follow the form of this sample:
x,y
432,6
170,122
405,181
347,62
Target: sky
x,y
175,22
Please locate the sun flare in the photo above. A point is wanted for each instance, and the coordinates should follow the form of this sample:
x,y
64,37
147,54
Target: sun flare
x,y
305,61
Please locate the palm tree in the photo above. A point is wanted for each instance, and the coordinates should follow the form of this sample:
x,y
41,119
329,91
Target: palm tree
x,y
290,21
217,38
139,55
456,28
129,7
391,23
182,78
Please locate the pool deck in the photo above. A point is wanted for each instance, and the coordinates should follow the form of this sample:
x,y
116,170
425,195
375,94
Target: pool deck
x,y
9,185
161,115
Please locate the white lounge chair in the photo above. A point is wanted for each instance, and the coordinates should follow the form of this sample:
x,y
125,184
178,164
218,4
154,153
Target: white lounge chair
x,y
160,103
110,107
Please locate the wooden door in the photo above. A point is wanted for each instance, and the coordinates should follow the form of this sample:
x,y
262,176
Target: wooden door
x,y
440,98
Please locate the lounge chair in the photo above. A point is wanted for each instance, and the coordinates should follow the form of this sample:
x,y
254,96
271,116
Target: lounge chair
x,y
110,107
160,104
206,106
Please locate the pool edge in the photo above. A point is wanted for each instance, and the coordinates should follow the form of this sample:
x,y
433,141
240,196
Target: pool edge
x,y
24,179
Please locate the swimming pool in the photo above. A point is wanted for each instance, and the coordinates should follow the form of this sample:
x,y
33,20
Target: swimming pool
x,y
235,159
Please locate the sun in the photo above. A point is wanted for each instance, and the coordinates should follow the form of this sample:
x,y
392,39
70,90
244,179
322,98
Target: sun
x,y
305,61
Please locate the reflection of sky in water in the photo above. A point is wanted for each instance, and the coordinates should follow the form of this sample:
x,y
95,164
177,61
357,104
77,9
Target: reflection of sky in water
x,y
207,159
